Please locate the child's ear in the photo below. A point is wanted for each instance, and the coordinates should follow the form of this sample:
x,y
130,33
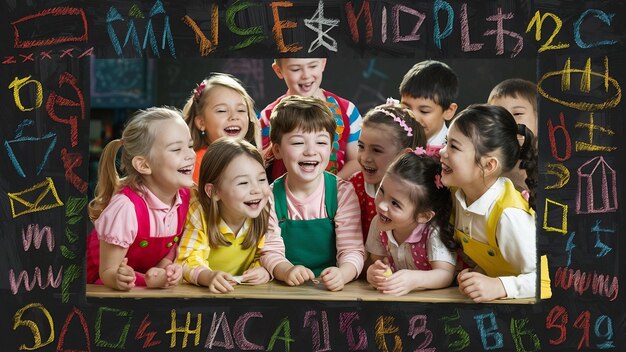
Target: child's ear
x,y
425,216
211,192
199,122
448,114
490,164
142,166
323,63
277,70
276,151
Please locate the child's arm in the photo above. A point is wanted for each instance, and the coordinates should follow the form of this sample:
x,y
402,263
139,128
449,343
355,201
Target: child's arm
x,y
406,280
216,281
351,164
194,249
114,270
273,252
335,278
349,239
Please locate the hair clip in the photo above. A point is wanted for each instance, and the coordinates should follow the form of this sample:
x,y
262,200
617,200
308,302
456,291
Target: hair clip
x,y
392,102
409,130
429,151
197,92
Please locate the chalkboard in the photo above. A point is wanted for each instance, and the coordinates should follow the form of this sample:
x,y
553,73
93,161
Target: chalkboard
x,y
48,49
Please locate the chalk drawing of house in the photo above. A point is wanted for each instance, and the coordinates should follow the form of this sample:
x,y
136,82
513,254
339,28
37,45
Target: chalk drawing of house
x,y
597,187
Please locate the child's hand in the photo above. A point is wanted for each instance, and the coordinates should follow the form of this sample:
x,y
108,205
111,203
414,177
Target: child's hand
x,y
220,282
332,278
479,287
297,275
256,276
377,273
399,283
125,276
174,273
155,277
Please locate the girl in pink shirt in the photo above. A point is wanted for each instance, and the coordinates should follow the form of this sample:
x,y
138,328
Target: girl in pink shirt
x,y
138,218
405,240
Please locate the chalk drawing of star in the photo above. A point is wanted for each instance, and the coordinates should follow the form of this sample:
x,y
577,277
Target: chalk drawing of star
x,y
317,23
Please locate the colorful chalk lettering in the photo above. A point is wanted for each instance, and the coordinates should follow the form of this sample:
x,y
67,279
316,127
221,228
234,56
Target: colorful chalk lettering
x,y
558,318
32,325
185,330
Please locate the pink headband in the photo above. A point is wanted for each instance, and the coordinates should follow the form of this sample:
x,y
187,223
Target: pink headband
x,y
409,130
197,92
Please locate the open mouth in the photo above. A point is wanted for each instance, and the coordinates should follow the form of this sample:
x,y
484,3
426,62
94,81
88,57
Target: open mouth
x,y
445,168
383,219
253,203
232,131
306,86
308,165
369,170
186,170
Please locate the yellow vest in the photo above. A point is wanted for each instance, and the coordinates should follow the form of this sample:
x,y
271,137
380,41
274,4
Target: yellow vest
x,y
487,255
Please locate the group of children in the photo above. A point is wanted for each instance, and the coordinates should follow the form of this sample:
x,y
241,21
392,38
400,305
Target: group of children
x,y
309,190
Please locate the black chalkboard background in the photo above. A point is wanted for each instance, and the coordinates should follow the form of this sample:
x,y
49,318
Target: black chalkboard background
x,y
48,48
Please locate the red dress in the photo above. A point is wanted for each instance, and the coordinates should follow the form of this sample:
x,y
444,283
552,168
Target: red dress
x,y
145,252
368,208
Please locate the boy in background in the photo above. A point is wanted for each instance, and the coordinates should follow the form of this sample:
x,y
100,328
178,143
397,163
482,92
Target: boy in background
x,y
430,89
303,76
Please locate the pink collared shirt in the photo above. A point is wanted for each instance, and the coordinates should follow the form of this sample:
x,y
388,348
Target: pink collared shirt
x,y
118,223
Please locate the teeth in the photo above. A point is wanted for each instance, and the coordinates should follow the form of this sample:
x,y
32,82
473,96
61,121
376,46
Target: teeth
x,y
308,163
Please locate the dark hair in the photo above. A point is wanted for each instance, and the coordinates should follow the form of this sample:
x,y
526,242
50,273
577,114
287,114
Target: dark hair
x,y
433,80
424,172
515,88
384,115
492,128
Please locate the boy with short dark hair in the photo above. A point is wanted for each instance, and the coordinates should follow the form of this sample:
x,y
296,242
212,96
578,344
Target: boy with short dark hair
x,y
430,89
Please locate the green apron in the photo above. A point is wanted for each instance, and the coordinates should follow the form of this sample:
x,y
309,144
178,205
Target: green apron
x,y
310,243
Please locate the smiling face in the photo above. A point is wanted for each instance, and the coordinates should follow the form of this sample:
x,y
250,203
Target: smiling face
x,y
521,109
376,151
394,206
428,113
458,162
305,155
302,76
242,191
225,114
171,159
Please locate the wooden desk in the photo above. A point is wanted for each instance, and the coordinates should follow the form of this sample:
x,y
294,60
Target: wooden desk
x,y
355,291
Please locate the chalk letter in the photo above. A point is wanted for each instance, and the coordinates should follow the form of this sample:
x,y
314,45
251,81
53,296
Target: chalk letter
x,y
83,324
352,21
240,330
551,135
19,83
500,31
124,330
345,327
490,331
56,100
228,339
310,321
185,330
463,337
286,338
437,33
466,46
420,328
255,34
206,46
519,330
17,321
385,325
278,28
602,16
